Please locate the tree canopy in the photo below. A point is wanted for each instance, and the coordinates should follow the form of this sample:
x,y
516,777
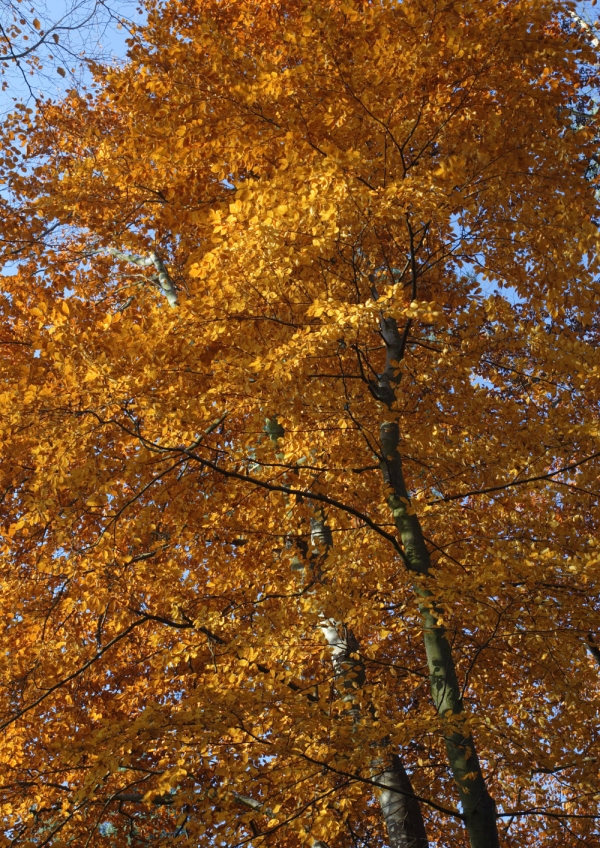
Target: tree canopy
x,y
299,433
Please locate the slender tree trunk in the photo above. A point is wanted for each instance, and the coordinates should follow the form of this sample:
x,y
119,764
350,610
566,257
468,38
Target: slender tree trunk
x,y
400,809
478,807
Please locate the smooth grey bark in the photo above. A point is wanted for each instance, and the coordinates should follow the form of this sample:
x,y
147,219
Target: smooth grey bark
x,y
478,807
161,277
400,808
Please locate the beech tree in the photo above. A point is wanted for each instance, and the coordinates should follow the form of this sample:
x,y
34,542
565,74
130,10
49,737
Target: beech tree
x,y
299,433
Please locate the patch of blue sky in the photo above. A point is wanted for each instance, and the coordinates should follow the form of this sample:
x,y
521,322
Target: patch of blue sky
x,y
68,32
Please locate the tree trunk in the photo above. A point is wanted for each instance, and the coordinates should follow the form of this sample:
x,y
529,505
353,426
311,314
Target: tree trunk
x,y
400,809
478,807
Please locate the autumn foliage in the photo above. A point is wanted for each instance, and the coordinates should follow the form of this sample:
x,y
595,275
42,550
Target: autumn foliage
x,y
299,434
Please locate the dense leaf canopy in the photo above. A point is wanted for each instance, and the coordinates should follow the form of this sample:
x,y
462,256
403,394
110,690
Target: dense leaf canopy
x,y
300,434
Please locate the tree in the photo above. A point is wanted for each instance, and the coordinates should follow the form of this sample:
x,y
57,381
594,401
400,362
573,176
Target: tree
x,y
300,434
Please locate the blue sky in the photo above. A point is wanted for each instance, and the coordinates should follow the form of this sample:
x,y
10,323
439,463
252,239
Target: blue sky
x,y
71,29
